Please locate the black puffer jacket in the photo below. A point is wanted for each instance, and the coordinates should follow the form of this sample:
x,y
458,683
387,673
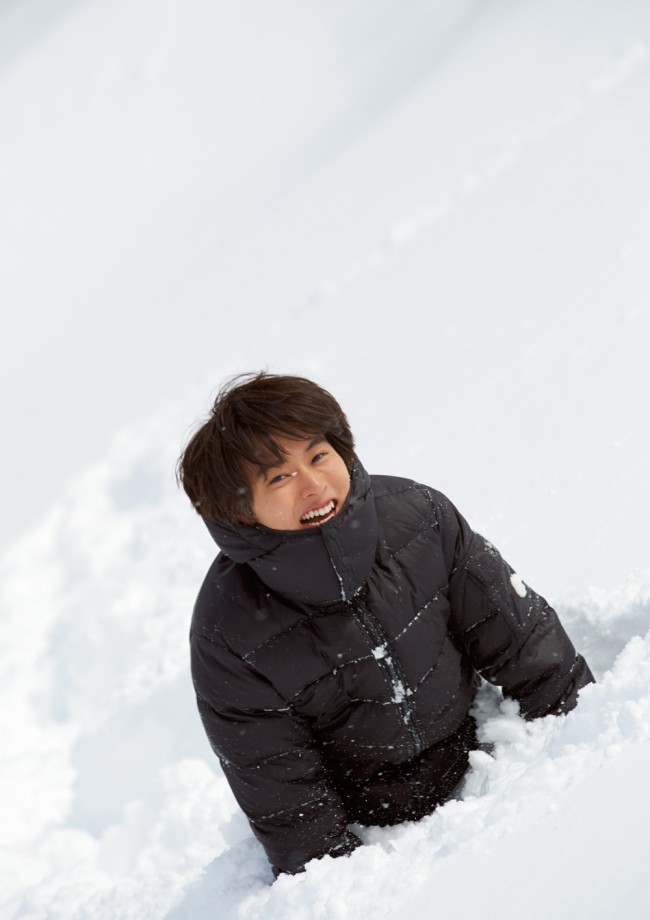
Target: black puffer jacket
x,y
334,668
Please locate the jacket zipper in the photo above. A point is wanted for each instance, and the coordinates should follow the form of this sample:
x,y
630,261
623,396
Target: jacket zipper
x,y
391,665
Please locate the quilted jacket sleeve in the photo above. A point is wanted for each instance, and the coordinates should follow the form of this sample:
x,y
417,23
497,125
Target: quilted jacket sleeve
x,y
268,756
511,635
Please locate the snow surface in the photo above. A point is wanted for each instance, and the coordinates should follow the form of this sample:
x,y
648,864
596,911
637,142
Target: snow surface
x,y
439,210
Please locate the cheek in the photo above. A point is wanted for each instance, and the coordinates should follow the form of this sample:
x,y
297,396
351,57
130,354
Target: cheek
x,y
344,483
279,506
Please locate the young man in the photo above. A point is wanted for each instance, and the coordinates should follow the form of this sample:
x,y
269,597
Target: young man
x,y
341,633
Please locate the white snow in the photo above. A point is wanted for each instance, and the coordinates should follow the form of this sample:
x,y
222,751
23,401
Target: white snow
x,y
399,693
518,586
440,211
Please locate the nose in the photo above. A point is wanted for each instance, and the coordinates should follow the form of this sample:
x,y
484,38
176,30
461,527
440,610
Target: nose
x,y
310,482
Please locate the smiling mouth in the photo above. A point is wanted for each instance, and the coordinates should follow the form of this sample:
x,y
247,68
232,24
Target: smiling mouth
x,y
319,515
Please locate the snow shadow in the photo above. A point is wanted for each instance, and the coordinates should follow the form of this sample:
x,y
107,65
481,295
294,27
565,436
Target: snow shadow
x,y
600,629
115,763
238,873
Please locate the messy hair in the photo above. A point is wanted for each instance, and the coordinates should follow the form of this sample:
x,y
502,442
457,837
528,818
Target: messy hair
x,y
240,438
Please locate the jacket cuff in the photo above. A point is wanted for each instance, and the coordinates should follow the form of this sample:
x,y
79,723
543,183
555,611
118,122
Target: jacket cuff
x,y
347,845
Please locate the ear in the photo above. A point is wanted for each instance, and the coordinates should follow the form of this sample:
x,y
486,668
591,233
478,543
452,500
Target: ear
x,y
245,513
246,516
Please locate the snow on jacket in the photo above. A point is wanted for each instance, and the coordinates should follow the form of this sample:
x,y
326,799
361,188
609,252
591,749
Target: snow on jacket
x,y
335,668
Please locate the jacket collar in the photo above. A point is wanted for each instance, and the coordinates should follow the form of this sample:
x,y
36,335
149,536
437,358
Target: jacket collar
x,y
322,566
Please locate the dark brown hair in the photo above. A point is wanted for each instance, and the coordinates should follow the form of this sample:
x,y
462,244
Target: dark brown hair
x,y
249,415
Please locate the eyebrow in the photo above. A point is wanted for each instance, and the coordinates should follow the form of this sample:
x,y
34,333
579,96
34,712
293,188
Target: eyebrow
x,y
267,467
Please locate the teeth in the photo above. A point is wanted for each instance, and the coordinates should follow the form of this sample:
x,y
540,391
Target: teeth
x,y
319,512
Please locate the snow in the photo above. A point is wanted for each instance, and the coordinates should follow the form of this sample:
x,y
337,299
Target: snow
x,y
438,211
518,586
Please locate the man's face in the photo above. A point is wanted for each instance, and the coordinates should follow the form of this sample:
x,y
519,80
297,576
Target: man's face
x,y
306,489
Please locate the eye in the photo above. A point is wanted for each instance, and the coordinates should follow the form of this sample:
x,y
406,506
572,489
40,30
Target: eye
x,y
319,456
279,478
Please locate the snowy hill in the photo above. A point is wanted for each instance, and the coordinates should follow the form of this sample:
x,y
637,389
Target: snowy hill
x,y
438,211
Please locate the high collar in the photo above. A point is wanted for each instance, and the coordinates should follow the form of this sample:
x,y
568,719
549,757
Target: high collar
x,y
321,566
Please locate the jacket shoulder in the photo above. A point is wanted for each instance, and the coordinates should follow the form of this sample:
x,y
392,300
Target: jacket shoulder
x,y
387,486
409,510
396,492
405,512
236,610
390,485
222,595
